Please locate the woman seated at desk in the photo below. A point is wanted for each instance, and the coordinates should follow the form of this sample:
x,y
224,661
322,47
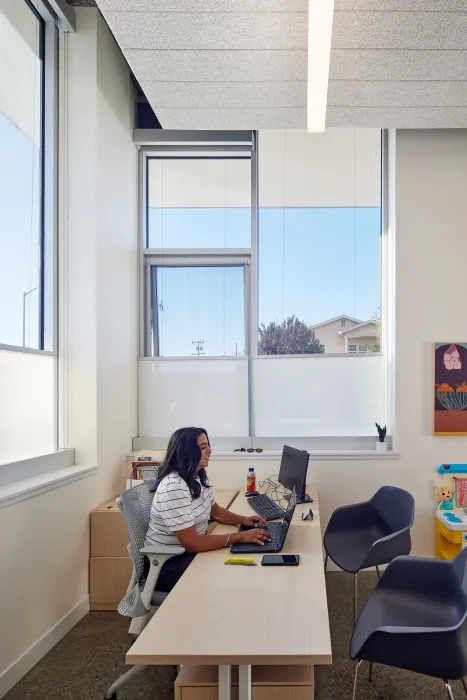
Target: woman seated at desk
x,y
184,504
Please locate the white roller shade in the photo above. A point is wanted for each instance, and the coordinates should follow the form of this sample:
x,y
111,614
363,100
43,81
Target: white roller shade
x,y
20,68
339,168
199,183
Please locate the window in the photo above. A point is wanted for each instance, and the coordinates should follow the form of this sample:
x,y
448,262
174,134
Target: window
x,y
28,362
198,311
319,242
196,250
21,85
266,260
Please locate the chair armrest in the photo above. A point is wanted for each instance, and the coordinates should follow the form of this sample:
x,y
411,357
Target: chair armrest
x,y
349,516
387,548
162,549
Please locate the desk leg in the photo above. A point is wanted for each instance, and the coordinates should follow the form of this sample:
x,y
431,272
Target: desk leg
x,y
225,677
244,683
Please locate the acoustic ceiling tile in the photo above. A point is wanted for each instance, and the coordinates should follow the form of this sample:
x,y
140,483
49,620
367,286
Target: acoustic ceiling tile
x,y
200,66
408,93
209,30
400,30
398,65
227,95
294,118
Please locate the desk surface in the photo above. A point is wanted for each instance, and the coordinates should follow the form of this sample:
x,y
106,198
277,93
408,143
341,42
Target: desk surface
x,y
225,497
219,614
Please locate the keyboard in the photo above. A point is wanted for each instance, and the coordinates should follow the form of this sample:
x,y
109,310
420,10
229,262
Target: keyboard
x,y
265,506
275,545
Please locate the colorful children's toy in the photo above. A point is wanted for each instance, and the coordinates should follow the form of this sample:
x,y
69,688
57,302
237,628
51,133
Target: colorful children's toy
x,y
451,514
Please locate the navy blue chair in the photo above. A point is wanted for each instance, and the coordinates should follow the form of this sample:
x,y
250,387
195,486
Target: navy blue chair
x,y
416,619
371,533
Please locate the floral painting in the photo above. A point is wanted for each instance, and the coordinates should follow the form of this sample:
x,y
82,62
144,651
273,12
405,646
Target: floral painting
x,y
450,389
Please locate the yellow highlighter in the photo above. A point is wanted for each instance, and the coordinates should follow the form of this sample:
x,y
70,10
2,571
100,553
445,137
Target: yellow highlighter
x,y
241,561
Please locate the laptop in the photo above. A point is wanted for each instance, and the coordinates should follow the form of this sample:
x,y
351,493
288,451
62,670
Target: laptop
x,y
278,532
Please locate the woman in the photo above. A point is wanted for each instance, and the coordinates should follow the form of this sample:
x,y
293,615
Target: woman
x,y
184,504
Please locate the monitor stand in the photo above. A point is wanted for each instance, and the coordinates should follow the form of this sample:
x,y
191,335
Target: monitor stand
x,y
307,499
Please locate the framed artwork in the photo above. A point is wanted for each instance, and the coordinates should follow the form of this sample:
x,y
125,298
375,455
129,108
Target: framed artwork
x,y
450,389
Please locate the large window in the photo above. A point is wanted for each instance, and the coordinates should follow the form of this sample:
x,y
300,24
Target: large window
x,y
196,248
319,238
269,259
28,363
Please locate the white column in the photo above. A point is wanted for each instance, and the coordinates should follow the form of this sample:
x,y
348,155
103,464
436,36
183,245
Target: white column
x,y
244,683
225,677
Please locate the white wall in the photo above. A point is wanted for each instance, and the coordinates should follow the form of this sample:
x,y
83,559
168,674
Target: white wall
x,y
431,284
46,550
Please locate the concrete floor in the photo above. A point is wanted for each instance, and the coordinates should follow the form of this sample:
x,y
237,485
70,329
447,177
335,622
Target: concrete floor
x,y
91,656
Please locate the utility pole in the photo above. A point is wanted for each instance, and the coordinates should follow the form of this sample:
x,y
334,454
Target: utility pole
x,y
199,345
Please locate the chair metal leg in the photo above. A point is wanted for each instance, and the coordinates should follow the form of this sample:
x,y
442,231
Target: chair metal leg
x,y
355,684
326,562
449,689
377,571
464,685
128,676
370,672
355,601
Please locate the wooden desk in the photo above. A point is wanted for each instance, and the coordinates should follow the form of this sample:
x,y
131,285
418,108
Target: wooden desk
x,y
226,615
225,497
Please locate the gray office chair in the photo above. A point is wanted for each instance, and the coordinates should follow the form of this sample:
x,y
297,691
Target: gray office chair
x,y
416,619
371,533
141,598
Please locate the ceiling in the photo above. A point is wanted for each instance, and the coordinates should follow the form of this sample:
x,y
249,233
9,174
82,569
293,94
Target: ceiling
x,y
242,64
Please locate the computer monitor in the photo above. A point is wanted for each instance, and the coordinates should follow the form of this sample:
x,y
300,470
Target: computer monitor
x,y
293,471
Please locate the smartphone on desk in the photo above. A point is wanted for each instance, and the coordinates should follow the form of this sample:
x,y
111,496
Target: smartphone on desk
x,y
280,560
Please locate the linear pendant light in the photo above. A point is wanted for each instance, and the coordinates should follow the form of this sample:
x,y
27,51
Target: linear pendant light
x,y
320,17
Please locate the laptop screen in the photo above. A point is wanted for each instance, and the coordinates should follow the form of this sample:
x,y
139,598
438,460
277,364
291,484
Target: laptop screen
x,y
290,508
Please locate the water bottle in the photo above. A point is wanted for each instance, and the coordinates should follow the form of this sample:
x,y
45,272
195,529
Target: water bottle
x,y
251,480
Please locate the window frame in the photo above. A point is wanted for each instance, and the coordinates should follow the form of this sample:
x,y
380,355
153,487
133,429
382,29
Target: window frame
x,y
28,477
48,207
200,258
151,143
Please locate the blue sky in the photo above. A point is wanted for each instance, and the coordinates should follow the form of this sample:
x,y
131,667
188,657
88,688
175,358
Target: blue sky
x,y
316,263
19,235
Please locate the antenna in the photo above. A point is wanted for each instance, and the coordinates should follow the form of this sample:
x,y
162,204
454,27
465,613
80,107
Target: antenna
x,y
199,345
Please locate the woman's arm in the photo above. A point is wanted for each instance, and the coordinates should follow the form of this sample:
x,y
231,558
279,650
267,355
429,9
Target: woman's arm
x,y
224,516
221,515
192,542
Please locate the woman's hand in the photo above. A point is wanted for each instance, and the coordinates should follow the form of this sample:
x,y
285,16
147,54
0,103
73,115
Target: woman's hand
x,y
255,536
252,520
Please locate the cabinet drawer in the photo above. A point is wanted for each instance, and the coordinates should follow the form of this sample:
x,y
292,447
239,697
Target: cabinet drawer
x,y
454,536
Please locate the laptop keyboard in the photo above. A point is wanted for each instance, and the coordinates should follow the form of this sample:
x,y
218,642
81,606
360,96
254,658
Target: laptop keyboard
x,y
265,506
274,529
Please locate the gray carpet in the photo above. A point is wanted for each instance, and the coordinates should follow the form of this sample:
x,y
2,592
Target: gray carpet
x,y
91,656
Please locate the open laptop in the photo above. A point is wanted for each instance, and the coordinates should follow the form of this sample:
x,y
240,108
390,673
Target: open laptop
x,y
278,532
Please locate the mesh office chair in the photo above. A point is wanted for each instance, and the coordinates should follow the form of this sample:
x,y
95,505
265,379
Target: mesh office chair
x,y
141,598
416,619
371,533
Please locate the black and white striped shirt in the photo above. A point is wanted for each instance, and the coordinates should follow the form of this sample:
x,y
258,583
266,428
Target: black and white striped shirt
x,y
174,508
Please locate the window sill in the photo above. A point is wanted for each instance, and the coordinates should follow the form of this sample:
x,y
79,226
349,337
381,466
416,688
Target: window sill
x,y
317,455
27,488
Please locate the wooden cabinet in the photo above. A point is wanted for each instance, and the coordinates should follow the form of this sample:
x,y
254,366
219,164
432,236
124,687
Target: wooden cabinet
x,y
109,536
110,565
267,683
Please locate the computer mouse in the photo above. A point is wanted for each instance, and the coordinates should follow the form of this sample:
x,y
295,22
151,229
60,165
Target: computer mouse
x,y
252,493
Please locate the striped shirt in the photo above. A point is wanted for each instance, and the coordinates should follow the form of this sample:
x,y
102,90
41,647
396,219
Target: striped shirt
x,y
174,508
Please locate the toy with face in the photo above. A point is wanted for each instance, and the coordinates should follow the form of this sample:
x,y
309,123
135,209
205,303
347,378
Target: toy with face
x,y
444,495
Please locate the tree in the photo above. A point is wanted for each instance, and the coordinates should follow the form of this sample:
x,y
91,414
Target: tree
x,y
376,321
291,337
